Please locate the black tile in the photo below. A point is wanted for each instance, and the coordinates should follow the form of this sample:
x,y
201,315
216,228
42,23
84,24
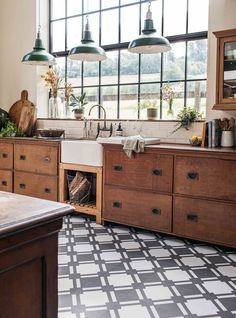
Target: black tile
x,y
126,295
204,273
168,310
135,254
167,263
229,303
65,301
187,289
149,277
88,282
112,267
63,270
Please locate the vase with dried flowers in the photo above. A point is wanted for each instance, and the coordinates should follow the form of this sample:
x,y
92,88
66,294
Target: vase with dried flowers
x,y
53,81
68,94
168,94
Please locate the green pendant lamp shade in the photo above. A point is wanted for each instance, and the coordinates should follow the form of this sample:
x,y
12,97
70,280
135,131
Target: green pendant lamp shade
x,y
87,50
39,56
149,42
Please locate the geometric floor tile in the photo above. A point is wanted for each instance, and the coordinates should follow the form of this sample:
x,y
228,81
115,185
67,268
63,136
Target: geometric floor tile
x,y
115,271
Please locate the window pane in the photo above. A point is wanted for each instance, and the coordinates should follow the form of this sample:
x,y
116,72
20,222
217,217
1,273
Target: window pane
x,y
156,8
92,99
74,7
74,32
196,96
128,1
109,68
61,68
109,3
129,101
74,72
128,67
91,71
109,27
91,5
149,97
198,15
58,9
58,36
94,26
68,109
174,63
175,17
129,31
150,67
109,99
172,99
197,59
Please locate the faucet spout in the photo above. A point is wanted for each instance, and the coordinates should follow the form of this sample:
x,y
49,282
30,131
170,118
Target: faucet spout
x,y
104,112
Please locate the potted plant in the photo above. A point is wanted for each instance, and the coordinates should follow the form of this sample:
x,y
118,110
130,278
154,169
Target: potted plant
x,y
78,104
151,106
186,117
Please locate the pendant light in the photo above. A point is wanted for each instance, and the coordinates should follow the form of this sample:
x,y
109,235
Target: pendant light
x,y
149,42
39,55
87,49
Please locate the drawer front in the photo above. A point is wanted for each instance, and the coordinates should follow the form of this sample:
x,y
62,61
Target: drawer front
x,y
143,171
6,156
213,178
44,187
36,159
205,220
6,180
148,210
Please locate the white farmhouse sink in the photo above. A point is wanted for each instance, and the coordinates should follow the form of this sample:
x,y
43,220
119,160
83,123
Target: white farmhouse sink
x,y
82,152
120,140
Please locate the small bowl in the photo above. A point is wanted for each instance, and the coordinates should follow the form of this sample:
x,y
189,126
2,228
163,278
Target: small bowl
x,y
195,143
50,133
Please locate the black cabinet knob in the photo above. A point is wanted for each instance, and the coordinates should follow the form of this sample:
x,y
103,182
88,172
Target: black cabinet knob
x,y
22,186
192,175
157,172
192,217
117,204
22,157
5,155
117,168
4,183
156,211
47,190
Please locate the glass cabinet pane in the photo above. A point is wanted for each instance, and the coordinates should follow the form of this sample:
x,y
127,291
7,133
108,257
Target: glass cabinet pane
x,y
229,70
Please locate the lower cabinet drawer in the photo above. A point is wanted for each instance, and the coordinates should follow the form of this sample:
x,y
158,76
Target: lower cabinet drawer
x,y
142,209
6,180
44,187
205,220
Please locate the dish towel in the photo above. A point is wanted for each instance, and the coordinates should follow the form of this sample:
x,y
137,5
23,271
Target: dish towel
x,y
133,144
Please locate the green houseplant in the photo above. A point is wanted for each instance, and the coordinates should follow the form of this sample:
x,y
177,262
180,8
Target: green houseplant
x,y
78,104
186,117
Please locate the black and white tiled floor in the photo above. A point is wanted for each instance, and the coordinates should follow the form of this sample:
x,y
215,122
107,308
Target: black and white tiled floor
x,y
120,272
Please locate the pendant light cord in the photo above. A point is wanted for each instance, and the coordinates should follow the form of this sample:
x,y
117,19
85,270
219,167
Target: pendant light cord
x,y
39,17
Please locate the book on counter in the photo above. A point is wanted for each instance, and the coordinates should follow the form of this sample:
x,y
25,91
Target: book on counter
x,y
211,134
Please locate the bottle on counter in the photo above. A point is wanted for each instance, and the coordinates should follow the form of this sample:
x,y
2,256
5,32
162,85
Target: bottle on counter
x,y
119,131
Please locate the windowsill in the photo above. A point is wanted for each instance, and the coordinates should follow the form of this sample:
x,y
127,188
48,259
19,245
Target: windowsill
x,y
121,120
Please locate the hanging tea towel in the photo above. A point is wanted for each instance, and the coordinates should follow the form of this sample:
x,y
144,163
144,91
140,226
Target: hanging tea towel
x,y
133,144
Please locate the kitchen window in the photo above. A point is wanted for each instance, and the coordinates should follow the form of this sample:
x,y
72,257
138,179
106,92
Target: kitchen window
x,y
126,84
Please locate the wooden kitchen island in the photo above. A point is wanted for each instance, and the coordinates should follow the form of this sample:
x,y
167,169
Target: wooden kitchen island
x,y
28,255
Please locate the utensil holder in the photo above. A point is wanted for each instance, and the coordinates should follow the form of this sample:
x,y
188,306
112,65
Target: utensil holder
x,y
227,138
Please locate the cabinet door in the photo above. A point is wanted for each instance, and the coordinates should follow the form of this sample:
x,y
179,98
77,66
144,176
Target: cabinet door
x,y
36,159
205,220
44,187
6,180
6,156
143,171
204,177
138,208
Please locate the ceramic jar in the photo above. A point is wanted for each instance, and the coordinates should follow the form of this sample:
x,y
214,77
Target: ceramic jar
x,y
227,138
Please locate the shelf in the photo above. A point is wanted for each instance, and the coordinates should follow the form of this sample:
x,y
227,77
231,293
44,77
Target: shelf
x,y
89,208
225,107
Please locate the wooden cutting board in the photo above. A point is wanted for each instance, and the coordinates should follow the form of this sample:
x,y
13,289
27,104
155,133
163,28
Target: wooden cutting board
x,y
23,113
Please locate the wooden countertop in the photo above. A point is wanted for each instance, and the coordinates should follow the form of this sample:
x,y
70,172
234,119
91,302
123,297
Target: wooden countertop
x,y
18,212
183,147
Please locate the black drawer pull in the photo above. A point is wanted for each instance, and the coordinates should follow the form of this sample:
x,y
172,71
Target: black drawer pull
x,y
117,204
47,190
157,172
156,211
22,157
4,183
117,168
193,175
192,217
5,155
22,186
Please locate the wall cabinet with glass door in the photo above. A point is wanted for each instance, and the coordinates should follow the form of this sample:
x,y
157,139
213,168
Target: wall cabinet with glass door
x,y
226,70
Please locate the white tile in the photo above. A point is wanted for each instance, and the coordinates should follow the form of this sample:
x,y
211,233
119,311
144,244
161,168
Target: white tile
x,y
104,238
158,293
83,248
146,236
130,245
64,284
217,287
110,256
81,232
86,269
142,265
120,230
63,259
94,298
233,257
159,252
118,280
205,249
201,307
136,311
63,240
174,242
177,275
229,271
192,261
66,314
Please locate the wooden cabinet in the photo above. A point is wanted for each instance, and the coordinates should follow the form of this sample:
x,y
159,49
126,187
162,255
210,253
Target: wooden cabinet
x,y
201,183
226,70
30,167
